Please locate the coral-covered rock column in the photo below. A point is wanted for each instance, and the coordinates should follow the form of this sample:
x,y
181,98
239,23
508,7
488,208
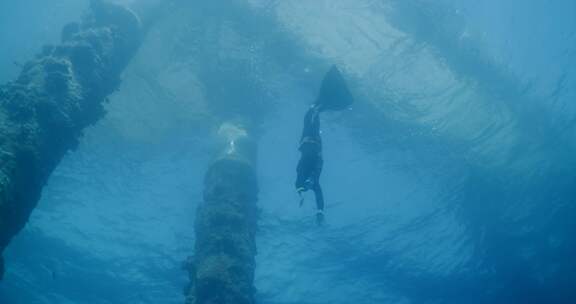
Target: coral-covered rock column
x,y
57,95
222,269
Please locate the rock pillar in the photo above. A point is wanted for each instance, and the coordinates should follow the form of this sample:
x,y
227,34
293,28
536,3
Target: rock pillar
x,y
222,269
56,96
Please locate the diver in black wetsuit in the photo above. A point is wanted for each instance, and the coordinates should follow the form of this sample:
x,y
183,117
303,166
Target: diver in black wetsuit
x,y
310,164
333,96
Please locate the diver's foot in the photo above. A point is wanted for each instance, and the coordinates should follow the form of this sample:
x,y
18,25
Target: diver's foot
x,y
319,217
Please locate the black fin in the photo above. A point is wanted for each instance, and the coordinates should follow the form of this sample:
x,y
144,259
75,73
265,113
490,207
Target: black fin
x,y
334,94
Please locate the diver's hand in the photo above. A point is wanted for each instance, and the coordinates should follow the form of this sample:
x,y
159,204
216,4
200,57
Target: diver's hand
x,y
319,217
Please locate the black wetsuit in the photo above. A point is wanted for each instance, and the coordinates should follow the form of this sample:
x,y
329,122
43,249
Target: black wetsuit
x,y
310,164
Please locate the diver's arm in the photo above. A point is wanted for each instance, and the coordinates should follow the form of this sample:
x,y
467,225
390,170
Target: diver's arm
x,y
319,197
319,204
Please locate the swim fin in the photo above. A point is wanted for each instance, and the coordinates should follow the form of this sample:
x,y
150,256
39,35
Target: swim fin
x,y
334,94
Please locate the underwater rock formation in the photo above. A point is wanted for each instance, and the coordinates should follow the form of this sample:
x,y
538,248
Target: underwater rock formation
x,y
57,95
222,270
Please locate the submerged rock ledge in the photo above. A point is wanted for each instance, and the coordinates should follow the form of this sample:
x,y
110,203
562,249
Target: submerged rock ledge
x,y
56,96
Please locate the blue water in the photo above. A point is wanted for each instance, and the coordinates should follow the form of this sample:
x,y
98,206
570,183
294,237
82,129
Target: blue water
x,y
451,180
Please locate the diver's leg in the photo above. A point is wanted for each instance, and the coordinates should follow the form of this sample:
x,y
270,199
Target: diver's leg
x,y
311,124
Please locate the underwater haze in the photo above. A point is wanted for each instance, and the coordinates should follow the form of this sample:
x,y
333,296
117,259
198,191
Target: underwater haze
x,y
450,180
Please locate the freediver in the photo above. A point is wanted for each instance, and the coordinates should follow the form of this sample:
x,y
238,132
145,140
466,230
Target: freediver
x,y
310,164
334,95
